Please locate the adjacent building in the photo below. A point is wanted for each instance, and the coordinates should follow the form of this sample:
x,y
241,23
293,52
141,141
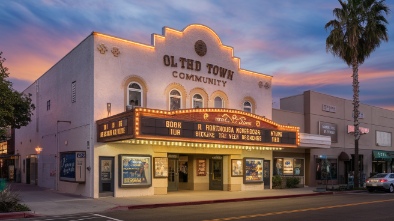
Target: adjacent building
x,y
329,116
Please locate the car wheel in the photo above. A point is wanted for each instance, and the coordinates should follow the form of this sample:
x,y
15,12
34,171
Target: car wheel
x,y
391,188
370,190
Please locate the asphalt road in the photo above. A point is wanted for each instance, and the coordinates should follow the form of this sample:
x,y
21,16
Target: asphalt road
x,y
351,206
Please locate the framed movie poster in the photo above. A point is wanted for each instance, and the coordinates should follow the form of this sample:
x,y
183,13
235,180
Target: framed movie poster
x,y
278,166
201,167
135,171
161,167
253,170
236,167
288,166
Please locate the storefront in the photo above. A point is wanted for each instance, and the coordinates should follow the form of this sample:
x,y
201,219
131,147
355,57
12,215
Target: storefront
x,y
382,161
193,149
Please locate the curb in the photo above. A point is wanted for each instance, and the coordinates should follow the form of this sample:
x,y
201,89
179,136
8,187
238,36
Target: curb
x,y
13,215
188,203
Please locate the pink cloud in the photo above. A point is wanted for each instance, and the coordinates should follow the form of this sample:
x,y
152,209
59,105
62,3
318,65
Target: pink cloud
x,y
339,77
37,53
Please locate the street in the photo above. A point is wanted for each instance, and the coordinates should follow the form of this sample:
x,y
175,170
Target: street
x,y
349,206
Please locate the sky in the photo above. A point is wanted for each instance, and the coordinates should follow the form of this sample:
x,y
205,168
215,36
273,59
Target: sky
x,y
284,39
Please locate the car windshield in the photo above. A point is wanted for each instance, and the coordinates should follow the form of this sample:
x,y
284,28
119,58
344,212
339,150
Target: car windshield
x,y
380,175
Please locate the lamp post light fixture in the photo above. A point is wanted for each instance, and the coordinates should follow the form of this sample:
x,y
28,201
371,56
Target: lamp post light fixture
x,y
38,149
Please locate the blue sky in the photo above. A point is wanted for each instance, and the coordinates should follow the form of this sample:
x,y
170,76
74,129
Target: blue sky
x,y
285,39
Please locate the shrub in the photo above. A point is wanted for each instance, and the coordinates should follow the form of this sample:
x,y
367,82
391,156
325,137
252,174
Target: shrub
x,y
10,202
276,182
292,182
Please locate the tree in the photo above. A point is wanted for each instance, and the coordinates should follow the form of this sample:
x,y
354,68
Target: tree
x,y
358,29
16,108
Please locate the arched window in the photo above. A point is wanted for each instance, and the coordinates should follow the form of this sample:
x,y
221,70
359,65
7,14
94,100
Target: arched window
x,y
175,100
247,107
134,94
198,101
218,103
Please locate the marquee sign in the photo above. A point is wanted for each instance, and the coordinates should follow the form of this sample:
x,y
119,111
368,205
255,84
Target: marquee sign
x,y
206,126
118,127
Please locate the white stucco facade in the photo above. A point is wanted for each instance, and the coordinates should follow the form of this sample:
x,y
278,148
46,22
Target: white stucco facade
x,y
75,93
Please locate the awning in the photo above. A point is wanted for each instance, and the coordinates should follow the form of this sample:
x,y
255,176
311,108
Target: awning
x,y
314,141
381,155
343,156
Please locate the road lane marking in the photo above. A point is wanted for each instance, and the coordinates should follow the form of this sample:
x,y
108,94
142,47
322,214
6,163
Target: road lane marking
x,y
107,217
297,210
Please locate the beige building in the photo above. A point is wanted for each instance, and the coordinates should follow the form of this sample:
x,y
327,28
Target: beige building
x,y
321,114
119,118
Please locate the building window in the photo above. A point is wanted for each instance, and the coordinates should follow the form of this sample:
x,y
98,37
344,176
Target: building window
x,y
175,100
326,169
218,102
73,92
48,105
197,101
134,94
247,107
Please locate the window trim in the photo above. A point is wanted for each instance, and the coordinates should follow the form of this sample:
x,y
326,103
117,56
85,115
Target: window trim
x,y
245,106
175,96
221,99
141,90
252,103
221,94
198,99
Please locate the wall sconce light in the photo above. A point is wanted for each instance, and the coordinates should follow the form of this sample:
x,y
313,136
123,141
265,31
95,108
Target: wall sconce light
x,y
109,109
88,168
38,149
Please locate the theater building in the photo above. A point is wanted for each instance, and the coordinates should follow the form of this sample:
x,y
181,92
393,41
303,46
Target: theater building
x,y
120,118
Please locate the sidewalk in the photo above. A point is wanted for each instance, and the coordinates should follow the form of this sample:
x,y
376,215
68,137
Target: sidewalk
x,y
44,201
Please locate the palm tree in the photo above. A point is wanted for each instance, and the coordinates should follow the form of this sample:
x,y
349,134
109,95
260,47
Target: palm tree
x,y
358,29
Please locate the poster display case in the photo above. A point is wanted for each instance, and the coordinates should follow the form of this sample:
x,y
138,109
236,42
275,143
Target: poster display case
x,y
135,171
253,170
161,167
72,166
236,167
201,167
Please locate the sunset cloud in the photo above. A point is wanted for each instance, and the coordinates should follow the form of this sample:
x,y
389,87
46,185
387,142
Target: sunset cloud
x,y
285,39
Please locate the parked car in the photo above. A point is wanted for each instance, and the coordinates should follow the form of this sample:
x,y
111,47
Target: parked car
x,y
381,181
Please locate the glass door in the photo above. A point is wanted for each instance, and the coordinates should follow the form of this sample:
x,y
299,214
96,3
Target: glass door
x,y
266,174
216,174
106,181
173,176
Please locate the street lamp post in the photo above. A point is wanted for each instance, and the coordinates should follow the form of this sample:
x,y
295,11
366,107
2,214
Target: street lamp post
x,y
57,152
